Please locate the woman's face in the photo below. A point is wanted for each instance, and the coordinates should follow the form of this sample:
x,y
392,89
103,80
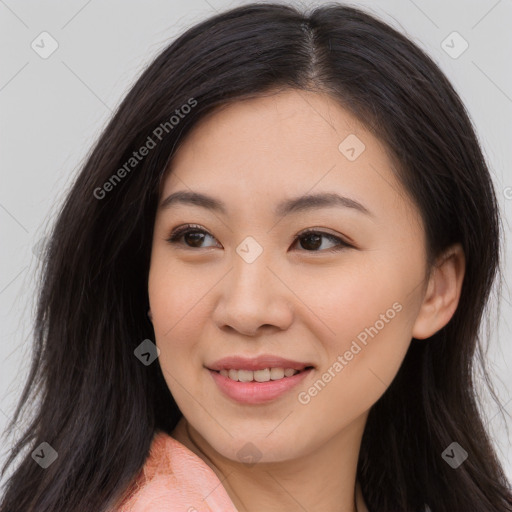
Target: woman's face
x,y
246,282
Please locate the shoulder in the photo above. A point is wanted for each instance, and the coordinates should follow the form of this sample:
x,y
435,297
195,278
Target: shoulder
x,y
174,478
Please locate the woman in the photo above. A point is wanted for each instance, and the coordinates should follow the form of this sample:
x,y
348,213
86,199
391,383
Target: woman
x,y
193,352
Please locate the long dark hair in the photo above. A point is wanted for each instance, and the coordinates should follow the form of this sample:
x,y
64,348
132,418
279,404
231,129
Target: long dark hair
x,y
98,406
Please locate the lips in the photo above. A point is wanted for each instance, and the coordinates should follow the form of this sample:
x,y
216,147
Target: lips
x,y
257,380
254,393
257,363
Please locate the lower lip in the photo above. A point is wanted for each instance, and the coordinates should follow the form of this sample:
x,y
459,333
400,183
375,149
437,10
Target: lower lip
x,y
257,392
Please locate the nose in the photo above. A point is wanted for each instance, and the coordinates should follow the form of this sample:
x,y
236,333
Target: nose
x,y
253,298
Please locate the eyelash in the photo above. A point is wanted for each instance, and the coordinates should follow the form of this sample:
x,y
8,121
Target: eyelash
x,y
179,232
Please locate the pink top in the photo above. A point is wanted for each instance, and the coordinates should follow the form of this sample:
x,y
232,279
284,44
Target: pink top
x,y
175,479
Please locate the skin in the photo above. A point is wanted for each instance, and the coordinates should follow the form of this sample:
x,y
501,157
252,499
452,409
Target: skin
x,y
296,300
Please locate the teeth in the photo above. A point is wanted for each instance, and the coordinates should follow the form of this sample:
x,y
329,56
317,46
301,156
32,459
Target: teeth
x,y
245,375
259,375
276,373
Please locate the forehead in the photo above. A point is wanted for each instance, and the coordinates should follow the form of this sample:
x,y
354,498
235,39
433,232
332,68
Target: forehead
x,y
285,144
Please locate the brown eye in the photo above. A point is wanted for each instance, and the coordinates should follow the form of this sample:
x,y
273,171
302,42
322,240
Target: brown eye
x,y
193,236
311,241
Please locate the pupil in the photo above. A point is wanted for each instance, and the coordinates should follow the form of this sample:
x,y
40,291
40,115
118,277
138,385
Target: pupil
x,y
317,241
196,238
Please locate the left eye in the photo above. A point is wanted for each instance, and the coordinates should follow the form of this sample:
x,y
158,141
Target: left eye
x,y
311,239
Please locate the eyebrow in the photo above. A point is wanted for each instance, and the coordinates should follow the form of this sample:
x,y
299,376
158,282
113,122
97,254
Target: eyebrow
x,y
294,205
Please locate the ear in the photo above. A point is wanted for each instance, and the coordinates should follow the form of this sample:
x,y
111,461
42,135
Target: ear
x,y
443,293
150,315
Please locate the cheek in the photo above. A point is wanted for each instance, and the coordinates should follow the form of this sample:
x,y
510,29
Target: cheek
x,y
350,300
172,298
368,316
175,308
361,364
175,297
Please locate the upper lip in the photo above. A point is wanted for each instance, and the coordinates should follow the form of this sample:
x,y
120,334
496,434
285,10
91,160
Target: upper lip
x,y
256,363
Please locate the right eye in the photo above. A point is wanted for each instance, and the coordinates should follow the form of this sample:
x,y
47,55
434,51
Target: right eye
x,y
192,234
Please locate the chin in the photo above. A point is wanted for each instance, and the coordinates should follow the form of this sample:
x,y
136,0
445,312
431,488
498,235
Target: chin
x,y
251,448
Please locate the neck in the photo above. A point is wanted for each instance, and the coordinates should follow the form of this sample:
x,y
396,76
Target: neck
x,y
322,480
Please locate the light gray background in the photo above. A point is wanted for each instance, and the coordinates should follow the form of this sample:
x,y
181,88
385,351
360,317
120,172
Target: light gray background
x,y
53,109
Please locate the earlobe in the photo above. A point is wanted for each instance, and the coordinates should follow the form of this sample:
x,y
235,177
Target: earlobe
x,y
150,315
443,293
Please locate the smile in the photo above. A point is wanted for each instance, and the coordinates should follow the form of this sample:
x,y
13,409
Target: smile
x,y
259,375
257,387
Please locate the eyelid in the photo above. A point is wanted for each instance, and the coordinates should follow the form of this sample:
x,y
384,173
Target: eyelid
x,y
179,231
